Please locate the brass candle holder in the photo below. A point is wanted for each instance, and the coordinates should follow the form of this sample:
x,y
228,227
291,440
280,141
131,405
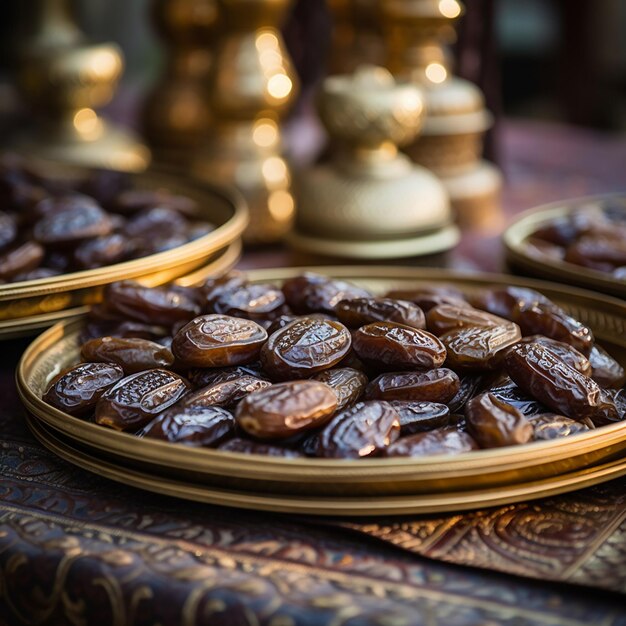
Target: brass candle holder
x,y
371,202
417,33
177,114
65,79
252,86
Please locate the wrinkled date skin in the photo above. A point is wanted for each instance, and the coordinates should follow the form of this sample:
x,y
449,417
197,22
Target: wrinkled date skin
x,y
398,346
361,311
418,417
255,302
349,384
504,301
494,423
537,371
132,355
438,385
156,305
201,377
225,393
102,251
286,409
77,390
605,370
509,392
304,348
137,399
193,425
312,293
249,446
427,298
553,322
71,225
611,408
362,430
444,441
549,426
218,341
446,317
564,351
19,260
469,385
478,348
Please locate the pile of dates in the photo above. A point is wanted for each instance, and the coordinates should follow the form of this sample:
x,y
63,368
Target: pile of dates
x,y
593,237
51,226
323,368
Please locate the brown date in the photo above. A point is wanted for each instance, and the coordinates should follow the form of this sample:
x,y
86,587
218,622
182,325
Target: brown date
x,y
564,351
155,223
438,385
218,341
364,429
361,311
443,441
193,425
549,426
248,446
310,293
137,399
132,355
605,370
597,253
538,372
157,305
479,348
24,258
201,377
494,423
418,417
71,225
305,347
77,390
551,321
428,297
504,301
509,392
283,320
255,302
469,385
225,392
611,407
447,317
286,409
398,346
349,384
539,249
102,251
57,204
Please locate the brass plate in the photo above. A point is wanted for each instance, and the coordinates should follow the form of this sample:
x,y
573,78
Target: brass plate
x,y
420,504
529,221
219,262
485,469
224,208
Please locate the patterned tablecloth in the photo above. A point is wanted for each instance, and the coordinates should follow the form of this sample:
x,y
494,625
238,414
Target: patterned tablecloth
x,y
78,549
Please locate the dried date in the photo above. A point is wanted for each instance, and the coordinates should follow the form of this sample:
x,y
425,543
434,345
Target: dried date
x,y
305,347
349,384
418,417
548,426
286,409
365,429
249,446
605,370
135,400
443,441
361,311
438,385
71,225
398,346
218,341
77,390
446,317
225,393
494,423
310,293
564,351
23,258
132,354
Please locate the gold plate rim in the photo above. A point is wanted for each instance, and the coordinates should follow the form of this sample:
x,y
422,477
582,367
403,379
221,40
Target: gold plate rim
x,y
606,440
190,252
329,506
528,221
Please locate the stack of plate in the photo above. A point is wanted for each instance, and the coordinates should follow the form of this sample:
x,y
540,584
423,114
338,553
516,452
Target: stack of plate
x,y
346,487
29,306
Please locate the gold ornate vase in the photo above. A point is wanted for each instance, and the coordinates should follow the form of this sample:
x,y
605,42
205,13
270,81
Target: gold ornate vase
x,y
252,86
65,79
371,201
417,33
177,114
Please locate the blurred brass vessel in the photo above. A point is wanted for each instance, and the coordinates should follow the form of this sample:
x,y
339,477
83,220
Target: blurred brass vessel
x,y
253,85
64,78
451,143
370,201
177,113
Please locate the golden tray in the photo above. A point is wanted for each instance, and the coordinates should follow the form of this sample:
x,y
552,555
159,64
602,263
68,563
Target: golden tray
x,y
529,221
290,480
224,208
218,263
